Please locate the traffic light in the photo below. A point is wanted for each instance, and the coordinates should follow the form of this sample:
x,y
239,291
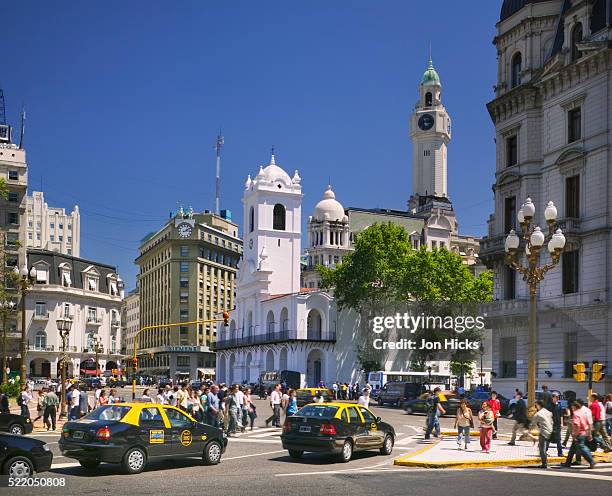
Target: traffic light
x,y
579,372
225,319
134,365
597,371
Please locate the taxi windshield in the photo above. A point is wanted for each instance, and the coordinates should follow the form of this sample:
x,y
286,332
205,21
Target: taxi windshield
x,y
318,411
108,412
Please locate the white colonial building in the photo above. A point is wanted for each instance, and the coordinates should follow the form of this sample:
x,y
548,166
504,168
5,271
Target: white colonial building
x,y
88,293
276,324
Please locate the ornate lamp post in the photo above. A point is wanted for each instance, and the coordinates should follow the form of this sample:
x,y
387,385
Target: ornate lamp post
x,y
481,351
63,326
6,308
98,348
25,279
534,239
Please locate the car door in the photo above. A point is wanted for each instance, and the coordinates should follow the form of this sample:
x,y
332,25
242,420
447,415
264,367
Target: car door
x,y
185,440
375,436
155,432
358,428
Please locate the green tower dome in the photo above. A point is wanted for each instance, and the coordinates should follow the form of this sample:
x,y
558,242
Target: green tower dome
x,y
430,76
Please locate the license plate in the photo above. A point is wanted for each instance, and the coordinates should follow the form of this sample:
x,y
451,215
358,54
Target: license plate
x,y
78,434
305,428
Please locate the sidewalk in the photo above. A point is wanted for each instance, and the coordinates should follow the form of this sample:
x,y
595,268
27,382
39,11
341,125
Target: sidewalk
x,y
444,454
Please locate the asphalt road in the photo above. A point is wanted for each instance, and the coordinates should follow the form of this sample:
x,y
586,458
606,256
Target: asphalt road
x,y
255,463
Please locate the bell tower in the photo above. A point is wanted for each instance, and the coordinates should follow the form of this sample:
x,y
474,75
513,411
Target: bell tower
x,y
430,131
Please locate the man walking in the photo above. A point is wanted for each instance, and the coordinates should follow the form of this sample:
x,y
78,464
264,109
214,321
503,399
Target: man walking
x,y
599,416
557,413
50,404
543,420
275,403
212,413
581,431
434,411
74,402
519,416
495,408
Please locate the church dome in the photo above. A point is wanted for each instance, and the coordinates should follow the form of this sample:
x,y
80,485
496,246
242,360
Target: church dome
x,y
511,7
273,173
430,76
329,208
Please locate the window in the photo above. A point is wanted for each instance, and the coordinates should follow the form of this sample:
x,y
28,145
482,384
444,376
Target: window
x,y
12,218
13,196
572,196
184,296
13,175
92,314
278,221
575,39
92,284
61,226
40,309
11,261
368,417
67,312
570,353
428,99
184,267
251,219
152,418
184,282
30,236
41,276
354,415
574,125
40,342
511,150
184,251
570,262
176,418
510,284
113,288
515,76
52,225
184,314
509,214
426,153
507,353
434,245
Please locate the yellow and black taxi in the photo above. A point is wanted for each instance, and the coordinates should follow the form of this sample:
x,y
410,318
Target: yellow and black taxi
x,y
336,428
133,433
309,395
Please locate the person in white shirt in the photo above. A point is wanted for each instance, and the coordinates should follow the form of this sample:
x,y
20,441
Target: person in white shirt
x,y
364,399
275,403
75,395
161,397
97,396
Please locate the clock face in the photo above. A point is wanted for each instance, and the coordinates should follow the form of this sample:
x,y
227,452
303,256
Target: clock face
x,y
426,122
184,230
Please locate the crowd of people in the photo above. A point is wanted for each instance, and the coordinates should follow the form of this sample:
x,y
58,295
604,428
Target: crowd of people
x,y
588,423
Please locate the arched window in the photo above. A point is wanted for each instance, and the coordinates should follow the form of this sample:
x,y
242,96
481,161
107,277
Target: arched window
x,y
428,99
40,340
270,322
576,38
517,62
278,221
251,219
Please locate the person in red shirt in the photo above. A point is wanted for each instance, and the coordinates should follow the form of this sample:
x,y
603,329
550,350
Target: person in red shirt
x,y
599,433
495,408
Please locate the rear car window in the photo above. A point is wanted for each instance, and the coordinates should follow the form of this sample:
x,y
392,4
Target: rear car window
x,y
354,414
318,411
108,412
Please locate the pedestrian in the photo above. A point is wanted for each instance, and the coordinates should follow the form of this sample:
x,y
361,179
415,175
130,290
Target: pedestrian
x,y
364,399
581,432
39,405
434,410
75,397
181,397
50,404
608,406
599,416
546,397
242,410
519,416
112,397
194,405
4,403
567,421
464,422
212,415
335,390
173,396
252,410
557,413
203,398
233,410
146,397
23,400
486,418
160,398
83,403
103,399
292,407
543,420
495,408
275,404
97,394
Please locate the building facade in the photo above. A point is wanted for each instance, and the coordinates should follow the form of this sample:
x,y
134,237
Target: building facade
x,y
551,116
89,294
51,228
187,274
130,321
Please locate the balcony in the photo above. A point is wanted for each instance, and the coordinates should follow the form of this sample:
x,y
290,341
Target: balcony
x,y
94,320
274,337
33,347
492,247
91,349
115,323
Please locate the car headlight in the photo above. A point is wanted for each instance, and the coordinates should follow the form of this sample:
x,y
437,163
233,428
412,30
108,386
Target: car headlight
x,y
28,420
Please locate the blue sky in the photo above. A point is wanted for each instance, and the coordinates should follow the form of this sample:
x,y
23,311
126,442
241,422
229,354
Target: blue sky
x,y
124,100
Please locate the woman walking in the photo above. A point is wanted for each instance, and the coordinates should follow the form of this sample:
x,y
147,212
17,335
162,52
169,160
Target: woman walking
x,y
292,407
248,401
464,421
145,396
486,417
102,400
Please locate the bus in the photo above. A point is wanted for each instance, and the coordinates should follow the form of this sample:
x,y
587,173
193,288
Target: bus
x,y
379,378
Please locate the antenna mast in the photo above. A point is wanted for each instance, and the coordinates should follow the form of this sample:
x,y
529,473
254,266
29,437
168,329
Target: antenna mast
x,y
22,133
218,146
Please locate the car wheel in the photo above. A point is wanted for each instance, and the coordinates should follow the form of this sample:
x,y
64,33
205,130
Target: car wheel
x,y
134,461
19,467
347,451
296,454
89,464
16,429
387,446
212,453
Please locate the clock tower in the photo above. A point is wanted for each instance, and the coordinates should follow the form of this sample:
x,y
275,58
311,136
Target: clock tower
x,y
430,130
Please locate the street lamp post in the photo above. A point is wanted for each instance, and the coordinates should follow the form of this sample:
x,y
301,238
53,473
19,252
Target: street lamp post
x,y
63,326
6,307
25,280
98,348
481,351
534,239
